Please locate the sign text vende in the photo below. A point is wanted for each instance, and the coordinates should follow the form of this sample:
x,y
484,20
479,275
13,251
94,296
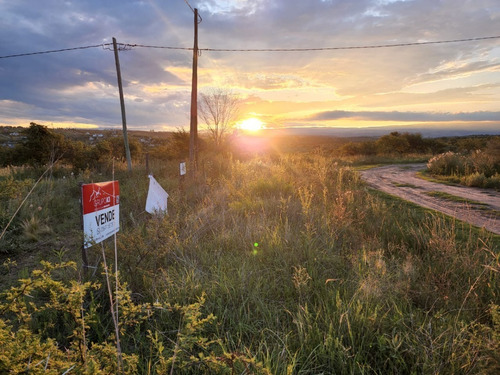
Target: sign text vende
x,y
101,211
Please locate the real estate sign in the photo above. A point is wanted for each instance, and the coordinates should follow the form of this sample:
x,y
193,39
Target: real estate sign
x,y
101,211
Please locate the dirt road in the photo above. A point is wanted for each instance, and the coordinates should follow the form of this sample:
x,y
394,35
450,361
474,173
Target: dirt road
x,y
402,181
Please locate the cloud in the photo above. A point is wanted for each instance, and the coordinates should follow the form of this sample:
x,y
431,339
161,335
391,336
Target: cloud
x,y
405,116
453,70
81,85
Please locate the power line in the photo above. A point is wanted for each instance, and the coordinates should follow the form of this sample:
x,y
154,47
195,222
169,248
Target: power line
x,y
126,46
319,48
190,7
55,51
158,47
348,47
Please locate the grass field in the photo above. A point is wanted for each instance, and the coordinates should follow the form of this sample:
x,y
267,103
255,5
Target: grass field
x,y
284,265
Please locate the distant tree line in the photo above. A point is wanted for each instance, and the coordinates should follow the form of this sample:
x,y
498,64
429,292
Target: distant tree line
x,y
397,143
394,143
41,145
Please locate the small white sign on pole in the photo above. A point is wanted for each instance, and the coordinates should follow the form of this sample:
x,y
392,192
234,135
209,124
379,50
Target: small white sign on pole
x,y
156,201
182,168
101,211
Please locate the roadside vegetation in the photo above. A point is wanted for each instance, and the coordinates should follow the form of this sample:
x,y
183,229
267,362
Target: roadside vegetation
x,y
278,263
478,168
394,144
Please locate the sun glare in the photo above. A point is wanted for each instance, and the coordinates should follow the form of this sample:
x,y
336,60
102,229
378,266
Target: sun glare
x,y
252,124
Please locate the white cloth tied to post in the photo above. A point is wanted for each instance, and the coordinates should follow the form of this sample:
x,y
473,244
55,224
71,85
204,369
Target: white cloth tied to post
x,y
156,203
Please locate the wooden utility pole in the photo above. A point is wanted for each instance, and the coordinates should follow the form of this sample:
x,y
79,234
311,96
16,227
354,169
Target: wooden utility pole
x,y
122,104
193,128
85,260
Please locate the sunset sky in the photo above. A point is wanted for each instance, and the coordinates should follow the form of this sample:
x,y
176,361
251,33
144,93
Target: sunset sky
x,y
449,83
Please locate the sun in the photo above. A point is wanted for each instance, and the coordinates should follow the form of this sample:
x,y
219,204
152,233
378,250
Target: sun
x,y
251,124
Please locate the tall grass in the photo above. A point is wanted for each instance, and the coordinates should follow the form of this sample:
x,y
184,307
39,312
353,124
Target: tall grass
x,y
305,271
477,169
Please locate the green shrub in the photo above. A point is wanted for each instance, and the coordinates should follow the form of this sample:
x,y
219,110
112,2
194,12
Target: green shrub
x,y
482,162
493,182
42,146
6,156
393,143
448,163
474,180
46,326
271,187
11,188
479,169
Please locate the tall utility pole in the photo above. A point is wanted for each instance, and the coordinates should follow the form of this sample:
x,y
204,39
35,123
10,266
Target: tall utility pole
x,y
122,104
193,128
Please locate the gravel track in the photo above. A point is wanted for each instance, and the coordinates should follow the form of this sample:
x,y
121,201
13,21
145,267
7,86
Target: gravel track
x,y
402,181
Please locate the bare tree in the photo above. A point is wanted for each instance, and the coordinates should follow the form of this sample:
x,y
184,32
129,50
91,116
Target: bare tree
x,y
218,109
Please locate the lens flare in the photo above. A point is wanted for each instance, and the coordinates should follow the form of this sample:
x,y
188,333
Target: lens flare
x,y
251,124
255,246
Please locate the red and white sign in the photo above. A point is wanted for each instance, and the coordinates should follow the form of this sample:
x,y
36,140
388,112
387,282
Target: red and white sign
x,y
101,211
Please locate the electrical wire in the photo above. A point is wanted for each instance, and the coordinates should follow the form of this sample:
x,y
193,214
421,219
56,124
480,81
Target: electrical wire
x,y
190,7
320,48
349,47
159,47
54,51
126,46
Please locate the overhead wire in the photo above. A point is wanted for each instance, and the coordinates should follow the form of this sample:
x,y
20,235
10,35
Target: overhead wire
x,y
190,7
348,47
129,46
159,47
54,51
319,48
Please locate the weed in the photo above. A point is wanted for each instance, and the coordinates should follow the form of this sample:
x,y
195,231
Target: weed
x,y
35,229
405,185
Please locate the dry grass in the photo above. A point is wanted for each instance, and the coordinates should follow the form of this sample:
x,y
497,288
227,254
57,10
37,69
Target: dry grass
x,y
307,271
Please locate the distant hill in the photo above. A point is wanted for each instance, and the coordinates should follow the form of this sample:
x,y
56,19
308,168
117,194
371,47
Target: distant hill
x,y
431,131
